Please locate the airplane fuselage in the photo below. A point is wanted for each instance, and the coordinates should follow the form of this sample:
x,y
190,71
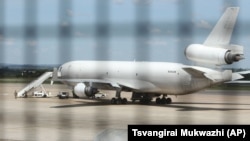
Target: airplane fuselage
x,y
149,77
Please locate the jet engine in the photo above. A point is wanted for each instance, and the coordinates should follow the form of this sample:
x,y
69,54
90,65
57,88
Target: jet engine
x,y
214,55
82,90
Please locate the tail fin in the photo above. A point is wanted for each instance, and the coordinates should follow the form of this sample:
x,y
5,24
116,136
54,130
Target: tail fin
x,y
221,33
216,49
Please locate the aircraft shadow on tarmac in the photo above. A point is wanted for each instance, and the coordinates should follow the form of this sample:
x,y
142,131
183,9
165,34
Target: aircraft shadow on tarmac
x,y
194,107
180,106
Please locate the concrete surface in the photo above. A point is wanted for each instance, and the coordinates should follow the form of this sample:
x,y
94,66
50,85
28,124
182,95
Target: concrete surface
x,y
84,119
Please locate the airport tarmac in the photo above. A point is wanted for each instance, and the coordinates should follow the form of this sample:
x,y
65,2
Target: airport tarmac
x,y
82,119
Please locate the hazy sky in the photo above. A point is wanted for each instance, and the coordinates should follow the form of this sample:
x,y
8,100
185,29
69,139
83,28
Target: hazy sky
x,y
56,31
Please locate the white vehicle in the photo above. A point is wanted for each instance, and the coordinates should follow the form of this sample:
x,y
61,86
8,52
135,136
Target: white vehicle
x,y
63,95
100,95
41,94
154,79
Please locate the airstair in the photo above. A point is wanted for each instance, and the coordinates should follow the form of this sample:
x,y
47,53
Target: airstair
x,y
37,82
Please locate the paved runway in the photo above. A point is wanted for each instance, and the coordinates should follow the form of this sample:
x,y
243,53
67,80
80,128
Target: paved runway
x,y
82,119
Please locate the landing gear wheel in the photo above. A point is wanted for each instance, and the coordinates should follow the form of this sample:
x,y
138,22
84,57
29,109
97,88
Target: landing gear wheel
x,y
158,100
113,101
163,100
119,101
124,101
168,101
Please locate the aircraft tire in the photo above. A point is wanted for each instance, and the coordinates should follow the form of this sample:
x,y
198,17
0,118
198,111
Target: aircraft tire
x,y
124,101
113,101
163,101
158,100
118,101
168,101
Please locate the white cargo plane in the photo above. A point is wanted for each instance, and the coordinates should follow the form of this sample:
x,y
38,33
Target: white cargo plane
x,y
152,79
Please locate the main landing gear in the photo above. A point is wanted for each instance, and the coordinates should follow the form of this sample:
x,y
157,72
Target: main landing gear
x,y
118,99
144,98
163,100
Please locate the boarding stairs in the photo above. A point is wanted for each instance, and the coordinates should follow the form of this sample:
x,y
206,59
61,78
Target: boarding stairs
x,y
35,83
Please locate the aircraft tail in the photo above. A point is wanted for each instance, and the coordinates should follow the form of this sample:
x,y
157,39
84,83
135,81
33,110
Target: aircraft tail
x,y
221,33
217,50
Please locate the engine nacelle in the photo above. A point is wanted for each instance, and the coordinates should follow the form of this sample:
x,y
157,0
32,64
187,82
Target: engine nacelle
x,y
212,55
82,90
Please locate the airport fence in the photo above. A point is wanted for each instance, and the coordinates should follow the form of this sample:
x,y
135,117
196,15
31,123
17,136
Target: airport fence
x,y
42,32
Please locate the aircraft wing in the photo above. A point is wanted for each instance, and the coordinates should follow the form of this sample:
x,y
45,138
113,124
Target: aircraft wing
x,y
215,76
135,84
95,82
195,72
